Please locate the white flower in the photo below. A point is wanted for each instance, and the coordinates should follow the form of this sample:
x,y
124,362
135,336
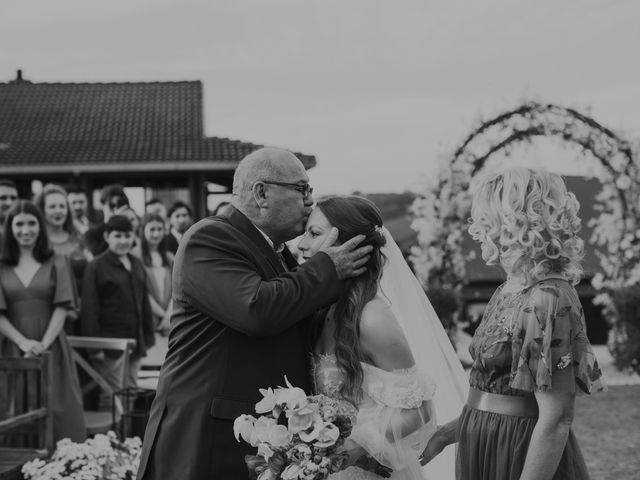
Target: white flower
x,y
292,472
264,450
268,402
292,397
312,434
268,474
327,436
243,426
597,281
278,436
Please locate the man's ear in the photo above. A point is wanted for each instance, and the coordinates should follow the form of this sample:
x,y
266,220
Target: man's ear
x,y
105,235
260,194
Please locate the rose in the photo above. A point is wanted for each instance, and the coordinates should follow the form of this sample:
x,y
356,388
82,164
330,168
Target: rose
x,y
327,436
278,436
299,452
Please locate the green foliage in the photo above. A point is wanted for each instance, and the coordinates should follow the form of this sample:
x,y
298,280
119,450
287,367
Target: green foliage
x,y
624,336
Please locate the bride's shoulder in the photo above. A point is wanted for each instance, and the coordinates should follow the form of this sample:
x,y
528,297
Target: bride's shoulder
x,y
376,314
381,336
378,324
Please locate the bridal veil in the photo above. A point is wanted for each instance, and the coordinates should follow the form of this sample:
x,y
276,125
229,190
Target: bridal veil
x,y
431,348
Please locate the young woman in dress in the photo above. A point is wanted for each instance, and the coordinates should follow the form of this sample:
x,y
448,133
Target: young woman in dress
x,y
64,238
367,351
158,264
531,353
36,293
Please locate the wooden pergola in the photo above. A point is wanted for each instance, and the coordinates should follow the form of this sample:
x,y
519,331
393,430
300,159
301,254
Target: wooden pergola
x,y
147,135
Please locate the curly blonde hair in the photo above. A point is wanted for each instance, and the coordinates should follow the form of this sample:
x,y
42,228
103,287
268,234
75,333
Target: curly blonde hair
x,y
527,222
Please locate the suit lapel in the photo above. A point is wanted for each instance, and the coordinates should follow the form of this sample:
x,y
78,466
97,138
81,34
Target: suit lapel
x,y
289,260
242,223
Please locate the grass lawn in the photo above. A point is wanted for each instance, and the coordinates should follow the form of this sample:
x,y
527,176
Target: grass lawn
x,y
607,426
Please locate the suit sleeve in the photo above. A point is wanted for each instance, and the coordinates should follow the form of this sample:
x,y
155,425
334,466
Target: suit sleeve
x,y
220,278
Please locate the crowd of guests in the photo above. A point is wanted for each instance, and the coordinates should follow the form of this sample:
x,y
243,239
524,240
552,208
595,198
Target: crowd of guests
x,y
61,274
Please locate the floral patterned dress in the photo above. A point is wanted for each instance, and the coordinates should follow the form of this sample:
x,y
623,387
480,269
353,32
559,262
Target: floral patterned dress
x,y
528,341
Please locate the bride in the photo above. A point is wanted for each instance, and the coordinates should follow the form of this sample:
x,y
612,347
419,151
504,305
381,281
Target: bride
x,y
382,347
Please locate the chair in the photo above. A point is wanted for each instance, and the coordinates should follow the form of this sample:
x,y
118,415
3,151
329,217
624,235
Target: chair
x,y
25,412
100,421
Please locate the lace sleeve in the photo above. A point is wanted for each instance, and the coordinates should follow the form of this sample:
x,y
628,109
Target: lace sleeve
x,y
396,417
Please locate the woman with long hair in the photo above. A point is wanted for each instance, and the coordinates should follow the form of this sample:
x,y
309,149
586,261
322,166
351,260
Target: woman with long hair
x,y
530,352
63,235
158,263
36,293
368,349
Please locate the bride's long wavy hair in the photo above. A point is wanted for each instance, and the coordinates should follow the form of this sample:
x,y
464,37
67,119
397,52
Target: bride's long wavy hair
x,y
352,216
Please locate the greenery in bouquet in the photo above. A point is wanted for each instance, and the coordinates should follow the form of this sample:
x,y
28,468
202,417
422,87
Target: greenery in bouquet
x,y
103,457
297,436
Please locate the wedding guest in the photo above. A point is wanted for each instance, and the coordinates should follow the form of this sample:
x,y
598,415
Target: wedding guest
x,y
63,236
180,219
154,205
115,303
531,353
133,217
8,198
78,205
65,239
158,263
36,293
113,200
242,311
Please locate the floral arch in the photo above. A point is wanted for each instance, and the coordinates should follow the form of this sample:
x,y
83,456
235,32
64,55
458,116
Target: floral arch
x,y
441,212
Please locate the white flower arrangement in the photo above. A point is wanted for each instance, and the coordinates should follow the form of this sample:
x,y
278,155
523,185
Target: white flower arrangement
x,y
296,436
103,457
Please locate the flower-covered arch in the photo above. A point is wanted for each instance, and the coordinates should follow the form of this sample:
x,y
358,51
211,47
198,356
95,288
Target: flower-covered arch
x,y
441,212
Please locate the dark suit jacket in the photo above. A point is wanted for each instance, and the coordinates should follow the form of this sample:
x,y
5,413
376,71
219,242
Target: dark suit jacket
x,y
115,301
240,323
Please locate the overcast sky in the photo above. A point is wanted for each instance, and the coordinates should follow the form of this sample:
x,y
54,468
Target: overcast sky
x,y
377,90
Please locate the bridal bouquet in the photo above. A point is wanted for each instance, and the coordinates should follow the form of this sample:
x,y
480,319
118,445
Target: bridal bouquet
x,y
297,436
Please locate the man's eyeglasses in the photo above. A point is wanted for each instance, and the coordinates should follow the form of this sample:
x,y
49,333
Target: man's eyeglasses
x,y
304,188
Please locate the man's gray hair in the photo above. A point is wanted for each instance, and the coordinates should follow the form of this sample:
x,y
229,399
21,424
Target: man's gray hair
x,y
263,164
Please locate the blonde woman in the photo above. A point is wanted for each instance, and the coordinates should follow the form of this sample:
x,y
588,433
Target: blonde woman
x,y
531,353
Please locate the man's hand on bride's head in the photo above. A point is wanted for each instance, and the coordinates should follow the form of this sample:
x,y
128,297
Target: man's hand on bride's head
x,y
349,259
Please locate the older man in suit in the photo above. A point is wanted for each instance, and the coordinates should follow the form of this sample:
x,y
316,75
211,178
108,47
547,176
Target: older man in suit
x,y
241,321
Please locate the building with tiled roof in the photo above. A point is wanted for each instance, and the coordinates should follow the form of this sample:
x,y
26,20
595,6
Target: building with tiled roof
x,y
138,134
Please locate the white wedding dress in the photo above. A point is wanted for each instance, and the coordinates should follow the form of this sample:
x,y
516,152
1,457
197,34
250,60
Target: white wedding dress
x,y
437,378
385,396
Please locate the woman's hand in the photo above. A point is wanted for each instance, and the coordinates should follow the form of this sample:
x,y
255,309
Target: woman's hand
x,y
435,445
445,435
31,347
